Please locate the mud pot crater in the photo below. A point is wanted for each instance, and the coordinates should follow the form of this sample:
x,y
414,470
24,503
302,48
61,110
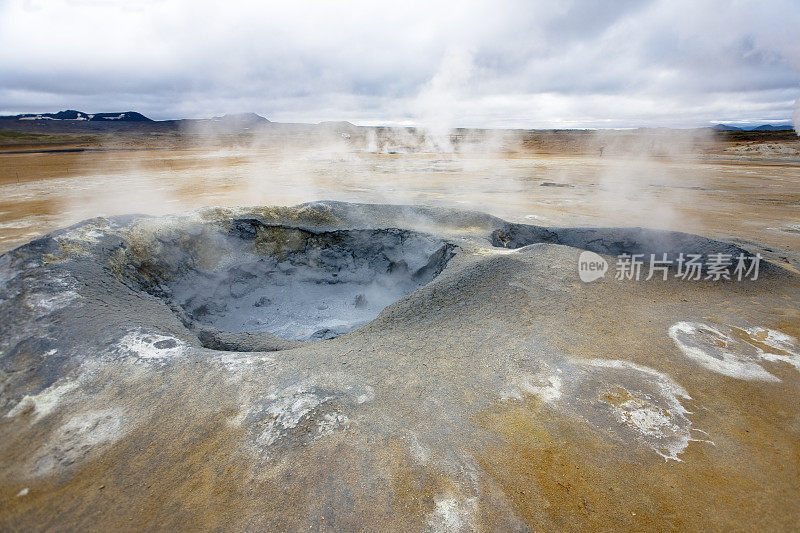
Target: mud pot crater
x,y
253,282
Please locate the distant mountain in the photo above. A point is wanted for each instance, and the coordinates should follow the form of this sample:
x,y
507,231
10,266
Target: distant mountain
x,y
725,127
770,127
342,127
241,118
72,121
341,124
129,116
763,127
71,114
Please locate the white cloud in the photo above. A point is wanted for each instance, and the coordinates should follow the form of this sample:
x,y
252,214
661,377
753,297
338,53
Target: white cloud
x,y
499,63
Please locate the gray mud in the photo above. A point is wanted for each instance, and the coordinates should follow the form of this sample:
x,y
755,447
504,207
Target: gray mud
x,y
317,286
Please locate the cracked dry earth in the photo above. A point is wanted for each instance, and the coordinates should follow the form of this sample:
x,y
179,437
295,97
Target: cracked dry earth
x,y
360,367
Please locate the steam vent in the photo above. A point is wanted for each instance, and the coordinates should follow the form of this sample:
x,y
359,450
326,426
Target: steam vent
x,y
355,367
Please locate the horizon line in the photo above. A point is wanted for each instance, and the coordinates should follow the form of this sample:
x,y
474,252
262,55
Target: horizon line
x,y
411,124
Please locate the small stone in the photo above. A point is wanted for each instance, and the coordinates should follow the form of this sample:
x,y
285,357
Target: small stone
x,y
165,344
262,302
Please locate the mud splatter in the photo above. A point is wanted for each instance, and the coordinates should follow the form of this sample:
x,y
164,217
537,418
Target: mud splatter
x,y
735,352
453,514
43,403
151,347
82,435
300,414
546,387
636,404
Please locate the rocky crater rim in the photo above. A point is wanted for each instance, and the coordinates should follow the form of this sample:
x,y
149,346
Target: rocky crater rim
x,y
267,278
663,244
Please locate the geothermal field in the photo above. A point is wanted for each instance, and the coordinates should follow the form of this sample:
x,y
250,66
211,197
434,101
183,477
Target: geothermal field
x,y
351,328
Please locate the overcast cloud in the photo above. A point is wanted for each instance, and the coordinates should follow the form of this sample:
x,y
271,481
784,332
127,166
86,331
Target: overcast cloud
x,y
500,63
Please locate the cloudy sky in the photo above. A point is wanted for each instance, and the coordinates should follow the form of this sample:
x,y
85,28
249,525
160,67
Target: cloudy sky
x,y
499,63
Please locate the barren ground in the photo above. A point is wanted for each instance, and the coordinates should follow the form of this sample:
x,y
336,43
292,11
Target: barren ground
x,y
742,185
499,392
